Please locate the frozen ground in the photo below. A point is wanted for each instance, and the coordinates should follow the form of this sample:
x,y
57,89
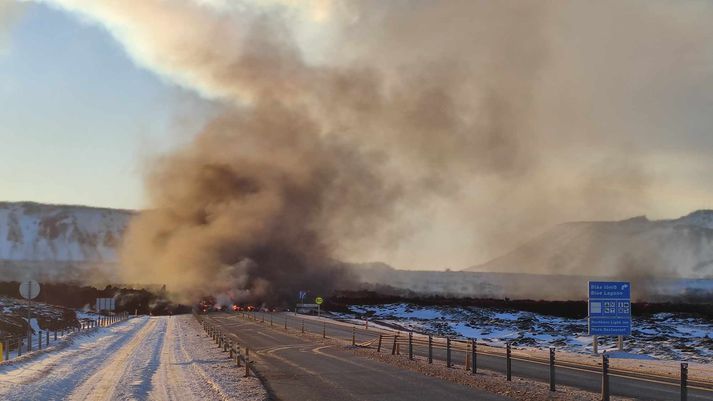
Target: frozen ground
x,y
661,336
159,358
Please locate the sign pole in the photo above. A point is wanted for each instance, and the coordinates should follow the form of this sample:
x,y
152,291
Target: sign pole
x,y
595,343
29,325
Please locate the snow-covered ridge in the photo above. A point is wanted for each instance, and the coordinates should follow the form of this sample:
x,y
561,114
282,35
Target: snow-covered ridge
x,y
700,218
58,233
681,247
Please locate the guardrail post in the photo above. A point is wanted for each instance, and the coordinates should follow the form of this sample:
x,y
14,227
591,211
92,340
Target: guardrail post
x,y
552,369
605,377
474,364
378,347
508,368
684,381
353,336
410,345
430,348
448,352
247,362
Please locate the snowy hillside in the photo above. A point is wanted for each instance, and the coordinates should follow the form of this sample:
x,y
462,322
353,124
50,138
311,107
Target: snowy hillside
x,y
681,247
661,336
35,232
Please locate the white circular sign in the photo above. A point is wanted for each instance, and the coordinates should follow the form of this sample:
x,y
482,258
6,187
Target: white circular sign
x,y
29,289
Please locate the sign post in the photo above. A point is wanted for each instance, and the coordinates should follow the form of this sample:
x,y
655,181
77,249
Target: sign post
x,y
609,309
29,289
319,301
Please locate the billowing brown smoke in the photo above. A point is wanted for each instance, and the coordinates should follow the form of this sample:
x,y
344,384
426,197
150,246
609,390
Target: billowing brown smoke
x,y
492,119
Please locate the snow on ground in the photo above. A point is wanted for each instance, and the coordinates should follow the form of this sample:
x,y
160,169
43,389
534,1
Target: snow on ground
x,y
661,336
158,358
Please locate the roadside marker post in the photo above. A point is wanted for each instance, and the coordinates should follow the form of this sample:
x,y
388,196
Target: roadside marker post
x,y
378,347
474,366
410,345
684,382
552,369
430,348
324,332
353,336
605,377
448,352
285,323
508,367
303,326
247,362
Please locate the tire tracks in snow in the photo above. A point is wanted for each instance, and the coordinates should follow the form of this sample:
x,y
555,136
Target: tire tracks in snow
x,y
119,374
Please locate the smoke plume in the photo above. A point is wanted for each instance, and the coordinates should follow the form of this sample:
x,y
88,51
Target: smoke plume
x,y
421,132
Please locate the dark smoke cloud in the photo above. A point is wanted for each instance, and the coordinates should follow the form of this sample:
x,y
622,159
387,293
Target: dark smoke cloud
x,y
456,128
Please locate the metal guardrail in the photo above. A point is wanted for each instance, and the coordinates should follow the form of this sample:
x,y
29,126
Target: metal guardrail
x,y
471,349
16,345
228,343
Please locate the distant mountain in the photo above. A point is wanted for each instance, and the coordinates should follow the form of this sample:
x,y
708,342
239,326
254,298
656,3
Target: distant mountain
x,y
40,236
636,247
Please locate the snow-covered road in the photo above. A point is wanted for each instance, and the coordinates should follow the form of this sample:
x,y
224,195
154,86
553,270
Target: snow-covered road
x,y
159,358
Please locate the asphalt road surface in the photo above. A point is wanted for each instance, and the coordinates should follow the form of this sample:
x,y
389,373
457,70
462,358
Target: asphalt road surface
x,y
583,378
301,370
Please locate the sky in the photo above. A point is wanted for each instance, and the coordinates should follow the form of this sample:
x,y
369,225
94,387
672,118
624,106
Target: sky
x,y
607,106
79,118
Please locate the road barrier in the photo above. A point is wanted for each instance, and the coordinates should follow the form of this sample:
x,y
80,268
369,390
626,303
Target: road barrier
x,y
430,349
552,369
474,358
605,377
16,345
684,381
227,343
410,345
471,350
508,363
448,352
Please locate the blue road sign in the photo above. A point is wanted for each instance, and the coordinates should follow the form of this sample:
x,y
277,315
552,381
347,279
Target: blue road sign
x,y
609,308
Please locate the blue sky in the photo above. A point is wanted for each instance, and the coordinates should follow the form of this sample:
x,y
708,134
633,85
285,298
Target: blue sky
x,y
79,118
